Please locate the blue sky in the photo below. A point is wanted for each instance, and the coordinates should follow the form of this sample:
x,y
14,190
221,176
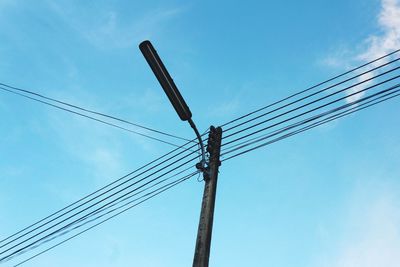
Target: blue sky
x,y
326,198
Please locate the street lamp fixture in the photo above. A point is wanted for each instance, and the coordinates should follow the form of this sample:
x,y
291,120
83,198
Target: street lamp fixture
x,y
172,92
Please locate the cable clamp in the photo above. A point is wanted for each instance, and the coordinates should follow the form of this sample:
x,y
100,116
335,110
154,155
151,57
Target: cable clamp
x,y
201,166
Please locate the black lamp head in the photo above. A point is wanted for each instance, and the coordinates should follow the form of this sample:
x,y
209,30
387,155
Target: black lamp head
x,y
167,83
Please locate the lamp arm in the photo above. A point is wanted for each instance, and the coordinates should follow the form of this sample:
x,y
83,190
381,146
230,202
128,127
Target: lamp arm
x,y
203,153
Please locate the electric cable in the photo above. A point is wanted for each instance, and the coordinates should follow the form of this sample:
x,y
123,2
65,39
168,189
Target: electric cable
x,y
91,111
309,103
66,230
123,177
316,124
92,118
97,196
301,92
357,92
312,87
329,79
336,92
297,108
238,145
304,129
101,222
294,125
92,205
347,112
283,129
105,187
128,197
102,194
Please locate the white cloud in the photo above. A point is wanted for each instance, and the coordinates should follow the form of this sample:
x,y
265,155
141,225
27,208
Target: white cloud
x,y
339,58
374,46
365,82
389,39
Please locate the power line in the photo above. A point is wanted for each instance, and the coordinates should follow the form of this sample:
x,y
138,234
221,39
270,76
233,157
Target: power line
x,y
114,203
309,111
370,103
90,117
305,129
91,111
356,103
65,229
103,221
311,88
41,232
347,112
309,103
126,196
86,208
36,241
120,184
107,186
166,160
315,93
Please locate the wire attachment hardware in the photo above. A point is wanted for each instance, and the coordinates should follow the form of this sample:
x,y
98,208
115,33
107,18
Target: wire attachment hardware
x,y
213,149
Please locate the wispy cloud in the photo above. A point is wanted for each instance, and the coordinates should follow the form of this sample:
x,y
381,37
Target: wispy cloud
x,y
374,46
225,109
389,39
109,30
93,144
372,235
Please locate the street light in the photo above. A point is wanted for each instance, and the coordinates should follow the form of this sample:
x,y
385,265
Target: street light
x,y
172,92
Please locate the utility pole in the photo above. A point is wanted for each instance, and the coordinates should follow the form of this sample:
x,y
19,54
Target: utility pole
x,y
209,169
203,241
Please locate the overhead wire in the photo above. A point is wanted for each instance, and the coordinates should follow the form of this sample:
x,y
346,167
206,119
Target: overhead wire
x,y
129,196
281,102
309,103
320,91
91,118
309,111
77,114
357,108
3,258
103,221
91,111
107,186
114,187
311,88
390,93
42,239
305,105
306,128
70,227
92,205
108,190
294,117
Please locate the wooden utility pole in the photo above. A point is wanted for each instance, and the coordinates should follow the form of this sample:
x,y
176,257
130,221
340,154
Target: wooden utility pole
x,y
203,241
210,172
